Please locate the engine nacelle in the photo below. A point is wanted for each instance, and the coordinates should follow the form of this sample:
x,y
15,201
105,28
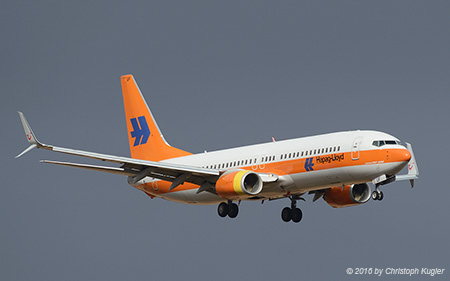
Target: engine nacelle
x,y
238,184
349,195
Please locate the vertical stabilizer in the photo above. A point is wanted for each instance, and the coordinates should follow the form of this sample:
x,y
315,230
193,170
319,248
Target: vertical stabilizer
x,y
145,138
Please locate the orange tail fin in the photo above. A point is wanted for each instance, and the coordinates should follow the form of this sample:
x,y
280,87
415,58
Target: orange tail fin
x,y
145,138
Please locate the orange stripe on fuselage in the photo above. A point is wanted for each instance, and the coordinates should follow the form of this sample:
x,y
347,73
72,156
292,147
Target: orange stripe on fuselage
x,y
296,166
337,160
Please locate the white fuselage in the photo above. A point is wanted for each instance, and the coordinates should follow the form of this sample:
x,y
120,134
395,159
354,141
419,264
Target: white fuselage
x,y
301,165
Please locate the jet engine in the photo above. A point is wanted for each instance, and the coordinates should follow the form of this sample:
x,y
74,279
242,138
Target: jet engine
x,y
349,195
238,184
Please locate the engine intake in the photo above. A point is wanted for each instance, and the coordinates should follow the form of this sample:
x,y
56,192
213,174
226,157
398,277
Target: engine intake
x,y
349,195
238,184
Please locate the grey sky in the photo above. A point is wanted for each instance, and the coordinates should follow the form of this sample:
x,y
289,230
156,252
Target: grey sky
x,y
218,74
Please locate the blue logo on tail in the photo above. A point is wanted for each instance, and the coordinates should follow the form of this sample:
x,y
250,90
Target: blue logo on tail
x,y
309,164
142,132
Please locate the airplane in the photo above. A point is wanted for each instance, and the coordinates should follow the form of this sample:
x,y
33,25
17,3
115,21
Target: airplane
x,y
337,167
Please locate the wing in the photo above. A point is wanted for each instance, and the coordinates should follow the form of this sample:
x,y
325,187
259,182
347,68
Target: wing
x,y
136,169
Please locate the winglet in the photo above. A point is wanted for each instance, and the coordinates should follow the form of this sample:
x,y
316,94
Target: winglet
x,y
31,137
412,165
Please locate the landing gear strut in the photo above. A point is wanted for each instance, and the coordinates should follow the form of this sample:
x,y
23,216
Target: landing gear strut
x,y
228,209
293,213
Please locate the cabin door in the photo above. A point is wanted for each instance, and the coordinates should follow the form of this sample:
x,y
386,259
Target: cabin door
x,y
355,148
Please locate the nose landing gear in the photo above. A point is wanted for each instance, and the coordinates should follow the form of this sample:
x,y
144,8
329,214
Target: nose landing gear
x,y
293,213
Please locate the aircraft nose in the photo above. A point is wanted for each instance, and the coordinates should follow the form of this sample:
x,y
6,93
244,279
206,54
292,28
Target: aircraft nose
x,y
403,155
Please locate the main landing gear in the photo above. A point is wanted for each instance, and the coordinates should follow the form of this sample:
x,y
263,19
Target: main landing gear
x,y
228,209
377,194
293,213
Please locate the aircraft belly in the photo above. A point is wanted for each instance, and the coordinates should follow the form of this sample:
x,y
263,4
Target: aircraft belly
x,y
191,197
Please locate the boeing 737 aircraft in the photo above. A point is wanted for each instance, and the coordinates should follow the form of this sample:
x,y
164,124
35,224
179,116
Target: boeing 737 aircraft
x,y
336,167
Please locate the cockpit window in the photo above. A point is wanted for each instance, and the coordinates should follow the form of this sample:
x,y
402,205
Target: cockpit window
x,y
379,143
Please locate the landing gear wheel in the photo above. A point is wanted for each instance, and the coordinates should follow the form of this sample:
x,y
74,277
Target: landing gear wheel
x,y
222,209
375,195
297,215
233,210
286,214
380,196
